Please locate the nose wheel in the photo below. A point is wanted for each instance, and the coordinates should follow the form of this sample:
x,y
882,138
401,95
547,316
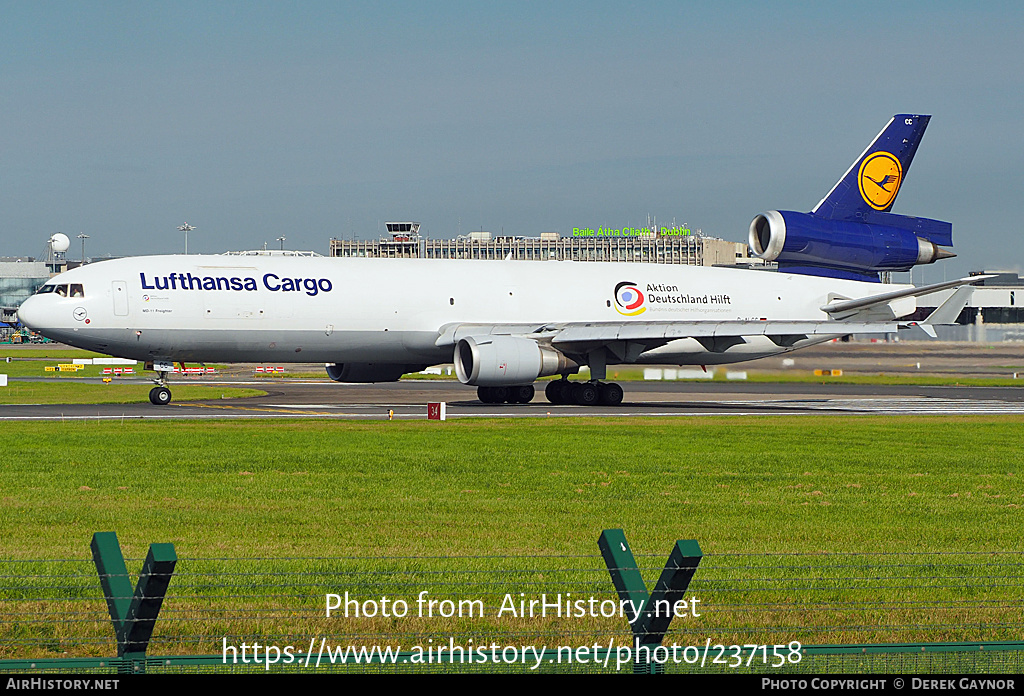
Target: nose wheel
x,y
160,396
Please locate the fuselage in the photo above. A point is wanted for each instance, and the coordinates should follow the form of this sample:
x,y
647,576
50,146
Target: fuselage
x,y
301,309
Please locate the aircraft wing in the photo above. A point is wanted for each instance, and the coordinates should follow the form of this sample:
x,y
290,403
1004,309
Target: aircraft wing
x,y
668,331
867,315
579,337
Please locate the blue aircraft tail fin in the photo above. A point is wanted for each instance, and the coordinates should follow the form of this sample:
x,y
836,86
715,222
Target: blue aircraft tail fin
x,y
851,233
872,182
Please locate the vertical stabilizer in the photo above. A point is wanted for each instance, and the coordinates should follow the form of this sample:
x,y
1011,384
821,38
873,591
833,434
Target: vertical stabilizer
x,y
872,182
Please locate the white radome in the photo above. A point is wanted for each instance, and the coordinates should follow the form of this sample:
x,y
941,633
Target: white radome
x,y
60,242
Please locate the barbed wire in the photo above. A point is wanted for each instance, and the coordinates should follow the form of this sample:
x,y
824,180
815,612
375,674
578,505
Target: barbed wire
x,y
44,607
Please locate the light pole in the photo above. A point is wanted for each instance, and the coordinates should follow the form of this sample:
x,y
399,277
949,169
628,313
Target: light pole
x,y
186,228
281,239
83,237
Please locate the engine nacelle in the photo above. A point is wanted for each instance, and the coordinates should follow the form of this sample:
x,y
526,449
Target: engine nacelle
x,y
369,372
802,242
502,361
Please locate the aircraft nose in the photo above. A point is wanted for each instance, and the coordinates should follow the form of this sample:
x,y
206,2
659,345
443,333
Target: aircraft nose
x,y
29,313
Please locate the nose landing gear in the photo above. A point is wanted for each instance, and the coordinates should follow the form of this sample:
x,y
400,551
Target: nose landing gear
x,y
160,395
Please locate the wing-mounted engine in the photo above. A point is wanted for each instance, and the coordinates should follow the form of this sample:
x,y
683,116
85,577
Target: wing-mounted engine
x,y
369,372
507,360
812,245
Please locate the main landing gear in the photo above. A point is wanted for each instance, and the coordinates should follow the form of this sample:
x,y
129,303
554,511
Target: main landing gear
x,y
559,391
562,391
500,395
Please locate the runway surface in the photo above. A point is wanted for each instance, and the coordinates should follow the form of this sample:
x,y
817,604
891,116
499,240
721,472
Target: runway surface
x,y
407,400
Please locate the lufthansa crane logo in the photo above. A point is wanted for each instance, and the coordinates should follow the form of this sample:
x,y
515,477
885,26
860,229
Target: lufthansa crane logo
x,y
629,300
879,179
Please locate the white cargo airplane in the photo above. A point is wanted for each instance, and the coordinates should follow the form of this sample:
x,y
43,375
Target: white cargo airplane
x,y
506,323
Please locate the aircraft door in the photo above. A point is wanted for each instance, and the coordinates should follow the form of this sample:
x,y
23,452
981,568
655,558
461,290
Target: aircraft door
x,y
120,292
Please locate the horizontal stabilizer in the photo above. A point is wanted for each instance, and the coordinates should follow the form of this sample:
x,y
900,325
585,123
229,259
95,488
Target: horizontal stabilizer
x,y
935,231
848,306
948,311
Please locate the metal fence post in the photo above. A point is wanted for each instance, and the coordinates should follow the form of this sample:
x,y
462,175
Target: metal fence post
x,y
649,615
133,614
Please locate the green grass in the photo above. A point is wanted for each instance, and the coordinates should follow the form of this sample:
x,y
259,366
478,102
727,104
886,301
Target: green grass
x,y
46,353
36,367
68,392
513,486
309,493
67,387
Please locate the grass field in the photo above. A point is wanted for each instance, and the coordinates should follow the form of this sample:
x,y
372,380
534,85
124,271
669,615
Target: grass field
x,y
23,365
326,503
61,392
515,486
68,388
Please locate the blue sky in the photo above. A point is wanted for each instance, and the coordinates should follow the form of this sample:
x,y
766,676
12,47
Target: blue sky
x,y
312,120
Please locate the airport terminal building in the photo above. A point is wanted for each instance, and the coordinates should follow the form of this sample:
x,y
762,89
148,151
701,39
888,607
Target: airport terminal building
x,y
19,278
636,245
994,313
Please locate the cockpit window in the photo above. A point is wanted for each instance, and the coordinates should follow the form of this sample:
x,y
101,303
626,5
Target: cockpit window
x,y
73,290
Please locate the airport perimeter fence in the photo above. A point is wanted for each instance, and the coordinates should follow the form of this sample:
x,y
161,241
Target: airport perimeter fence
x,y
740,613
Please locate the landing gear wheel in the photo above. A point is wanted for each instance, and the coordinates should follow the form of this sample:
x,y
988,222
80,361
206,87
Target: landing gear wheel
x,y
584,394
521,395
557,391
159,396
610,394
493,395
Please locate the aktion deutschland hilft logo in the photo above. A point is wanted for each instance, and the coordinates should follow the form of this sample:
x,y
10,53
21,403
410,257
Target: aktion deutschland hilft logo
x,y
879,179
629,300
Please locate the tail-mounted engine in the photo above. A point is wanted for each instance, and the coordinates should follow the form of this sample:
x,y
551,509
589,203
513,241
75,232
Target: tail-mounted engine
x,y
806,243
851,233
